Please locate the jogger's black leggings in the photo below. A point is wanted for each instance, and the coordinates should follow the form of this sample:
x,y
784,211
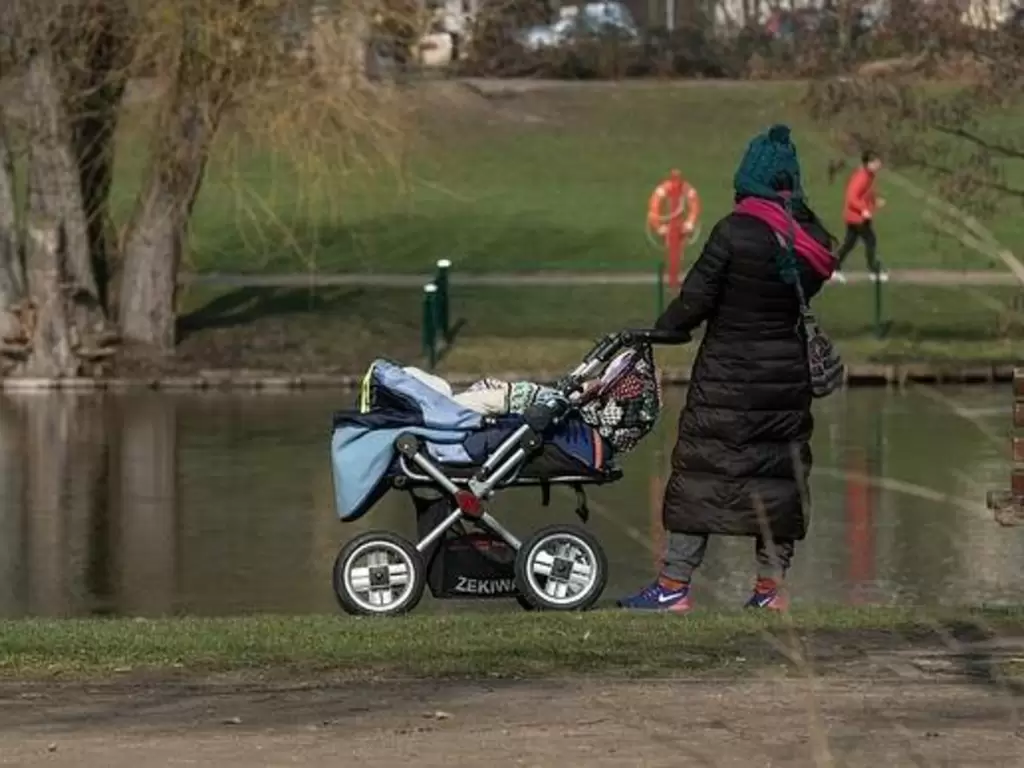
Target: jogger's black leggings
x,y
855,232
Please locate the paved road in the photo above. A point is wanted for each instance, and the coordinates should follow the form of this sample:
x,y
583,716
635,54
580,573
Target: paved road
x,y
296,280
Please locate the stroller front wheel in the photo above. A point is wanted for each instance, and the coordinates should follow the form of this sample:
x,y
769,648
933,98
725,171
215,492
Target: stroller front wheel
x,y
378,574
561,568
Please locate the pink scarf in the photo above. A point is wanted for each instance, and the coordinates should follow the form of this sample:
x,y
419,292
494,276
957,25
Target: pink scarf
x,y
817,256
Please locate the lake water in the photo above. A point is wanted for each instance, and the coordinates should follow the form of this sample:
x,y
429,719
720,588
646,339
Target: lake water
x,y
221,504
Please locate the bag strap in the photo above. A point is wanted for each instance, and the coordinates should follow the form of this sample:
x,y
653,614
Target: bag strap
x,y
799,286
792,275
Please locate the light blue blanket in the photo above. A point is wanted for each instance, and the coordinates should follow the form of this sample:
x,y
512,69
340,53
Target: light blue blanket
x,y
361,457
361,451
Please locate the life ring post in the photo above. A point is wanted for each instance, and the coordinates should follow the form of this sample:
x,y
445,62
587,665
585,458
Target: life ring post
x,y
674,236
673,213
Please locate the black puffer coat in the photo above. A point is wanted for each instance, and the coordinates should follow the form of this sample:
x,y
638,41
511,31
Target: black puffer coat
x,y
742,455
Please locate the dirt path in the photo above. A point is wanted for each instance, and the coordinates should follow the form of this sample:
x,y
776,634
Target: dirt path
x,y
935,277
854,719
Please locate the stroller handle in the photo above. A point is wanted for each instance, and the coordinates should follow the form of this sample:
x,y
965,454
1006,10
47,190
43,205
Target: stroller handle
x,y
540,416
610,345
657,336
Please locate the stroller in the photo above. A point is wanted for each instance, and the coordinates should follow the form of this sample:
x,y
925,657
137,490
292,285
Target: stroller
x,y
409,436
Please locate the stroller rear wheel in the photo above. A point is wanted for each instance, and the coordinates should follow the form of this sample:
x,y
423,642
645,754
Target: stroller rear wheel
x,y
378,574
561,568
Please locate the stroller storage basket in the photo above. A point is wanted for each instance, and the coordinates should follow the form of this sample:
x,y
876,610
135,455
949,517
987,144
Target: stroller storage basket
x,y
468,560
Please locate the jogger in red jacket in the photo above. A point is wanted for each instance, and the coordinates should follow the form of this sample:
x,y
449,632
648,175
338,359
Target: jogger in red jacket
x,y
858,213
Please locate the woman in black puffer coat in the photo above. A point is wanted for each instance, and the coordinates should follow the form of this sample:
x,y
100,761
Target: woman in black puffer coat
x,y
742,460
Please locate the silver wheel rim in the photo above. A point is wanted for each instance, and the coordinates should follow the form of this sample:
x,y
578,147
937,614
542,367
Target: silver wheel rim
x,y
379,576
562,569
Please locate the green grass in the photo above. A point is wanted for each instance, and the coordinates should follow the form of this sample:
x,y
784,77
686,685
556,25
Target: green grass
x,y
548,329
476,645
550,179
1014,670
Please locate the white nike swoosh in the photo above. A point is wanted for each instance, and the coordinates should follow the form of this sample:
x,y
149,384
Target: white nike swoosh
x,y
668,598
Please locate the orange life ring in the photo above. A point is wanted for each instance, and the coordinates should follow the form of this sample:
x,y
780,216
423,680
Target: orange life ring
x,y
689,208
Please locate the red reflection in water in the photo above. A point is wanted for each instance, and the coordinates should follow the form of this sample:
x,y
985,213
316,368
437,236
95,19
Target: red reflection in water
x,y
860,531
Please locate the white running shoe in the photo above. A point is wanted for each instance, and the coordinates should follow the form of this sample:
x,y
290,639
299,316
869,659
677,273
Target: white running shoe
x,y
881,276
837,277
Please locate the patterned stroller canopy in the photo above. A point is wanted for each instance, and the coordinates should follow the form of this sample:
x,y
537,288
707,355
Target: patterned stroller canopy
x,y
624,405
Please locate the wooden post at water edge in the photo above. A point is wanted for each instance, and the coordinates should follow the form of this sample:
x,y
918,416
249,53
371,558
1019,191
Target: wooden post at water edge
x,y
1008,505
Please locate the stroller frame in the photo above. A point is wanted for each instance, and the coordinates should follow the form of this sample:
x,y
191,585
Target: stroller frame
x,y
501,469
469,493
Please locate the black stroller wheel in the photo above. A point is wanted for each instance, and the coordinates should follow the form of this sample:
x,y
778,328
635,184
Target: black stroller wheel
x,y
378,573
561,568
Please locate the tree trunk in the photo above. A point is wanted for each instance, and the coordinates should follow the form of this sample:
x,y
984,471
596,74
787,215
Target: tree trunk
x,y
54,166
70,54
338,40
157,237
845,18
12,267
52,193
60,282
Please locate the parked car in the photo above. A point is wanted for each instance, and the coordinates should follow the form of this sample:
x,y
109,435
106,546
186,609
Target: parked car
x,y
789,25
577,23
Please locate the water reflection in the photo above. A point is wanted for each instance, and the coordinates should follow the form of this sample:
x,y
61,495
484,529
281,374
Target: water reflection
x,y
148,504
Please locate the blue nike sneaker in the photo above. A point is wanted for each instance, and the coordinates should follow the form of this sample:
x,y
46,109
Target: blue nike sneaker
x,y
768,595
658,597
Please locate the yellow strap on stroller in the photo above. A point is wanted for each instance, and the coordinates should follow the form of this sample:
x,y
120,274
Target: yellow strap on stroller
x,y
364,390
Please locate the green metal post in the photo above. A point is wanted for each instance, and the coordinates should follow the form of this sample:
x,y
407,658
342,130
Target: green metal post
x,y
661,289
879,330
430,324
441,281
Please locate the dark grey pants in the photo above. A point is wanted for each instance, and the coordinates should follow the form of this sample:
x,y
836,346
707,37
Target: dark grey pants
x,y
684,552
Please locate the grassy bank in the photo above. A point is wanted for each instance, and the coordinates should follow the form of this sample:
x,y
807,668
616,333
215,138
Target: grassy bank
x,y
543,179
340,330
499,645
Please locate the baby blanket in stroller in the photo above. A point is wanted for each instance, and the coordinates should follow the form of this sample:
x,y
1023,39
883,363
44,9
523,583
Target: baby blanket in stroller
x,y
395,401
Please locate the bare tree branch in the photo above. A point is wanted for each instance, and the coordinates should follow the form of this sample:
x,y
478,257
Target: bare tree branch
x,y
943,170
996,148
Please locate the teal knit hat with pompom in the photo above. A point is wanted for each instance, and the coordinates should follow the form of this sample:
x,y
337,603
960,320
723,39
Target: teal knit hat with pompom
x,y
768,155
